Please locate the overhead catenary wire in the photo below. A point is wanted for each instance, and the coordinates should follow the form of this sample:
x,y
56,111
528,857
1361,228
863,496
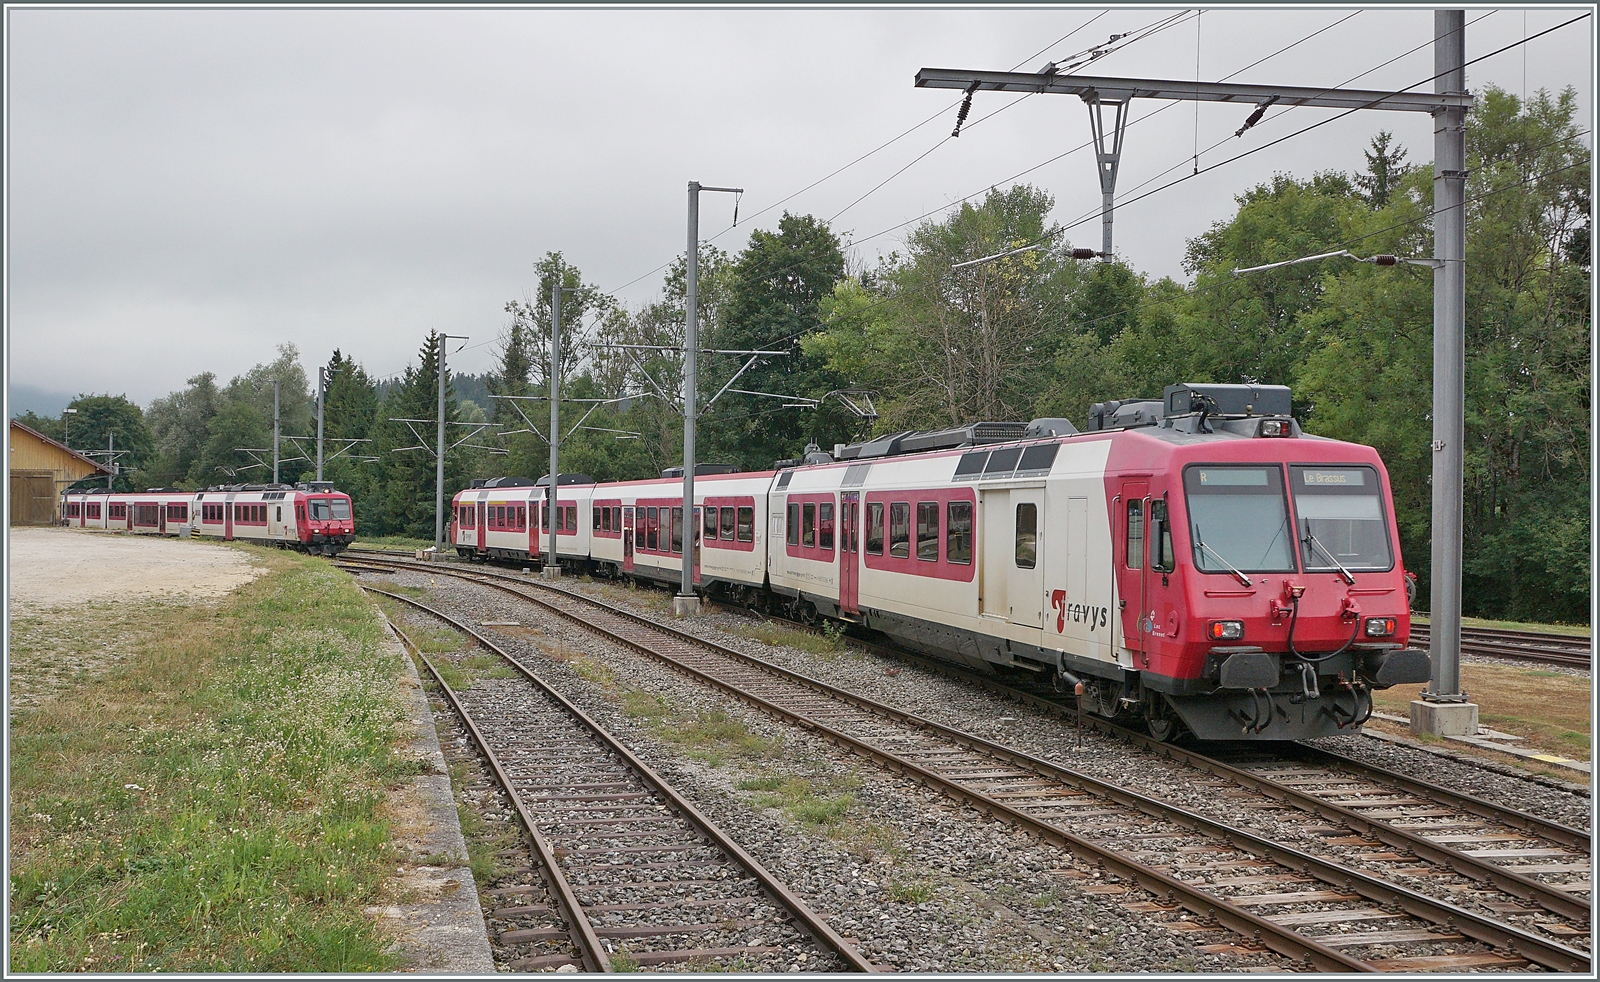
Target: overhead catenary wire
x,y
1126,202
882,146
1083,146
1288,136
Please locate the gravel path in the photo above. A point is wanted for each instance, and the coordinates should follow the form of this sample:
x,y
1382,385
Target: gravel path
x,y
53,568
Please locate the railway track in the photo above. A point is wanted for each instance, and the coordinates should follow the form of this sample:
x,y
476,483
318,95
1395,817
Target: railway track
x,y
1531,646
1342,919
626,872
1530,859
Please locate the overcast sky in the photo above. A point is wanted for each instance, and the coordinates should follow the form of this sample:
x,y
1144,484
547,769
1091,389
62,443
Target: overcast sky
x,y
188,189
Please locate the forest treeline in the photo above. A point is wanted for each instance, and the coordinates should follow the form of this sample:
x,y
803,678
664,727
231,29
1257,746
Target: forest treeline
x,y
1034,334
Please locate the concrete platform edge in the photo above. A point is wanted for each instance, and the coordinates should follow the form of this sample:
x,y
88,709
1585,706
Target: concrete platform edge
x,y
442,931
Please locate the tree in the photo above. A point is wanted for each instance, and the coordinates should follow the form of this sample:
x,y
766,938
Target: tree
x,y
180,424
1368,367
1386,168
404,502
99,417
975,343
655,373
775,289
1248,328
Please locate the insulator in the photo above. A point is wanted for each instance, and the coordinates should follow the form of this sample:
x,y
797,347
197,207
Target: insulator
x,y
961,117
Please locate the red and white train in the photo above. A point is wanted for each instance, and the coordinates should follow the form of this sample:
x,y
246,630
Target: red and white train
x,y
1197,560
310,517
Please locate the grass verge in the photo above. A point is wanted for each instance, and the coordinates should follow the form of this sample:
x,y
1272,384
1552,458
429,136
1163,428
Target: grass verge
x,y
214,801
1576,630
1550,709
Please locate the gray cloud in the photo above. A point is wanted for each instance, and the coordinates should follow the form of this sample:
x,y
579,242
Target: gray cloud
x,y
189,188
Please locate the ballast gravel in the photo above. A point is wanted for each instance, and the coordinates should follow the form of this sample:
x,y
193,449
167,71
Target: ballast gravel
x,y
966,707
921,883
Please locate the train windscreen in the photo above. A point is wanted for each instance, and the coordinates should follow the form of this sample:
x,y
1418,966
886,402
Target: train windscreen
x,y
1341,515
329,509
1238,519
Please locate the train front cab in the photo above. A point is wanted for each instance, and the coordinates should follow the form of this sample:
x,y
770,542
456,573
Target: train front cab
x,y
1260,587
323,521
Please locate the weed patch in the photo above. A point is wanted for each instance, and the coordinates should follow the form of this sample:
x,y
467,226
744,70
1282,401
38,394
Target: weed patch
x,y
814,802
715,737
910,892
213,802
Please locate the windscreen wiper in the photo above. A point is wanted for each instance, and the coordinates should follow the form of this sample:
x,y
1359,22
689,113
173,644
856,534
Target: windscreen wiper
x,y
1242,578
1314,541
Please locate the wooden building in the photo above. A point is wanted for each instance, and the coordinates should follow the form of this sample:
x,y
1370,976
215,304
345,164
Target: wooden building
x,y
39,469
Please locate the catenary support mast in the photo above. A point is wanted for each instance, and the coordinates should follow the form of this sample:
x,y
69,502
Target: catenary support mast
x,y
1445,703
687,603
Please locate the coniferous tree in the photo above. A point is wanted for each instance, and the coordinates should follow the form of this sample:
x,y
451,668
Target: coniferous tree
x,y
1386,168
404,504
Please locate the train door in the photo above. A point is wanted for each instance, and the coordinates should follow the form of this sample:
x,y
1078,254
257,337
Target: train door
x,y
995,575
849,559
227,518
483,526
1132,507
1025,587
161,517
695,548
627,539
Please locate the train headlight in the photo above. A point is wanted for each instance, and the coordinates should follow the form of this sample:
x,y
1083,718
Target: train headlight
x,y
1380,627
1227,630
1275,427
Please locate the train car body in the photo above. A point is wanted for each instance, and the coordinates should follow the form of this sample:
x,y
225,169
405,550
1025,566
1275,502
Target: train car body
x,y
509,519
312,517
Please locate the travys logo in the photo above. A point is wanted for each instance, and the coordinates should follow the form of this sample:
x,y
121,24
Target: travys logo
x,y
1095,617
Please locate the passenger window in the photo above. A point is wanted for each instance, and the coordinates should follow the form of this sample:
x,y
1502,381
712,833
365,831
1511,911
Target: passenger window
x,y
727,524
808,524
1135,551
1027,535
793,524
874,528
825,526
900,530
616,518
928,531
677,529
572,518
958,534
746,531
711,517
652,519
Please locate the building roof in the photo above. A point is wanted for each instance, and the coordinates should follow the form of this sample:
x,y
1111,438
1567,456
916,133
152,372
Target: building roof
x,y
102,468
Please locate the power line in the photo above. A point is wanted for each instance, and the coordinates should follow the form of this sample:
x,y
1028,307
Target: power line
x,y
1289,136
1023,173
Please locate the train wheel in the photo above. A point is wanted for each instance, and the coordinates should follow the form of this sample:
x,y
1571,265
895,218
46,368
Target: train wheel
x,y
1163,724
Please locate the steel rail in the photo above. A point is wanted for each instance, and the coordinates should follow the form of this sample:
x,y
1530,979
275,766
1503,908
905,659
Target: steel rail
x,y
1547,649
590,950
805,918
1544,827
1494,933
